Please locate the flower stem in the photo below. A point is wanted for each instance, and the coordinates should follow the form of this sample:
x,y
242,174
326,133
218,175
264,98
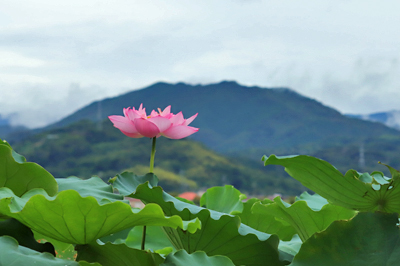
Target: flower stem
x,y
143,237
153,154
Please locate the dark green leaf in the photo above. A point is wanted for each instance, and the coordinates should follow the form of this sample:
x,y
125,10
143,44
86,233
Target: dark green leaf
x,y
367,239
117,254
13,254
23,235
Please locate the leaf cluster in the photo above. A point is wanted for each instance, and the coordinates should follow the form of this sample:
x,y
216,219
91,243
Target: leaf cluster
x,y
351,221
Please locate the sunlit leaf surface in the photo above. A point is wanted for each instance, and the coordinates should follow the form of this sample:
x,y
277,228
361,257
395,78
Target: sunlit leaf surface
x,y
21,176
223,199
70,218
344,190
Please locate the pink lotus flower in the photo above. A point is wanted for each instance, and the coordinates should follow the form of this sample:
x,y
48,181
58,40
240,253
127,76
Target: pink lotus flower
x,y
136,123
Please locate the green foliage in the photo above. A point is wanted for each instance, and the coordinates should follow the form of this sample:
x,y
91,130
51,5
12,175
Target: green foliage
x,y
301,217
117,254
13,254
368,239
352,191
156,239
265,221
94,187
198,258
168,179
353,220
225,199
70,218
292,246
20,176
23,235
220,234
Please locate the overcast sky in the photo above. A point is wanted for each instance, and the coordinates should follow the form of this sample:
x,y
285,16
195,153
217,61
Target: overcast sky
x,y
58,56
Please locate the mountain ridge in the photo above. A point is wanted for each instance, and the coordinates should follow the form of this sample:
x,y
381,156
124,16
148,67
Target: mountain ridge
x,y
235,118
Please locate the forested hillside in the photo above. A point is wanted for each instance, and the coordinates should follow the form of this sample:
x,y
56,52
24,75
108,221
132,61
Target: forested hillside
x,y
85,148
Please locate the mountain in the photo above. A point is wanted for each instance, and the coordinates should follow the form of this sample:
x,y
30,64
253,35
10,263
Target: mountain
x,y
390,118
236,119
240,122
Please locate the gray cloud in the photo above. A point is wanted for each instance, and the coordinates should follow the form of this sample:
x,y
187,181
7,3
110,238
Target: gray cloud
x,y
343,53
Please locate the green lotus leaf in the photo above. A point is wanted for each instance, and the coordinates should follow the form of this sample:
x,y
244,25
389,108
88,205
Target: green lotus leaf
x,y
198,258
93,186
315,202
131,181
118,237
367,239
223,199
291,247
21,176
185,200
395,173
156,239
70,218
23,235
13,254
302,218
228,237
117,254
17,157
221,233
344,190
264,221
63,250
85,263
